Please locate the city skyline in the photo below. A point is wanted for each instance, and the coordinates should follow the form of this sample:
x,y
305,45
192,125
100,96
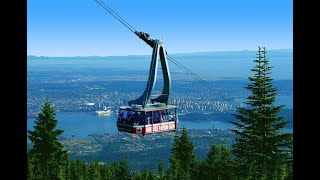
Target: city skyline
x,y
84,28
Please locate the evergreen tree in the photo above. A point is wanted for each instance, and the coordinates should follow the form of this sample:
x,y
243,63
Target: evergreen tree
x,y
48,153
84,169
114,169
151,176
211,164
218,164
67,169
260,143
29,167
174,171
136,176
74,173
160,169
94,172
225,164
199,170
182,158
121,170
105,171
144,175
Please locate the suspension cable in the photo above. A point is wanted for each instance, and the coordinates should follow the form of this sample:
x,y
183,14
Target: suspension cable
x,y
201,80
114,14
132,29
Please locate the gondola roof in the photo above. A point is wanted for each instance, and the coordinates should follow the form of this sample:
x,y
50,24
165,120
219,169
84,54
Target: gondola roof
x,y
149,107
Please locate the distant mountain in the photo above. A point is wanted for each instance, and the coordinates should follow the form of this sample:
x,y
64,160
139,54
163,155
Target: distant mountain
x,y
243,52
234,52
208,65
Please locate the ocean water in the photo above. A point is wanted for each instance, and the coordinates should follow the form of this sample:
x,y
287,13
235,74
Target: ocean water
x,y
81,124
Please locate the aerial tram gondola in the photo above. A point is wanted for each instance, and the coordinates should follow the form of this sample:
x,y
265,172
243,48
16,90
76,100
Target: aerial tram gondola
x,y
146,115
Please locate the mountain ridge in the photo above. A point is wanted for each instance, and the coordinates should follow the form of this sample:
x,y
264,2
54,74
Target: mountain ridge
x,y
175,54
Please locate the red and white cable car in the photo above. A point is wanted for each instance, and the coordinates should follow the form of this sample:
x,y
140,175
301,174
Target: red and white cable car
x,y
145,114
151,119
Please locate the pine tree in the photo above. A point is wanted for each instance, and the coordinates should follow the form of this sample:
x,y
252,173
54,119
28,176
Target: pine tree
x,y
160,169
29,167
182,158
121,170
73,175
67,169
174,171
94,172
260,143
211,164
144,175
151,176
84,169
225,163
114,169
199,169
136,176
105,171
48,153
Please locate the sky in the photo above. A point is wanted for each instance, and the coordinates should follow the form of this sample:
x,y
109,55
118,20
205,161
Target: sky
x,y
84,28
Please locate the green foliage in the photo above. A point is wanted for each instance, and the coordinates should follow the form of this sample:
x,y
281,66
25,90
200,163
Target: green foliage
x,y
144,175
218,165
30,170
105,172
225,164
85,170
136,176
260,145
199,169
211,164
182,159
47,155
151,176
160,169
121,170
79,169
94,170
67,171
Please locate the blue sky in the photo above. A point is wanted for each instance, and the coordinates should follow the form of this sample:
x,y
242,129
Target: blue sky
x,y
84,28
